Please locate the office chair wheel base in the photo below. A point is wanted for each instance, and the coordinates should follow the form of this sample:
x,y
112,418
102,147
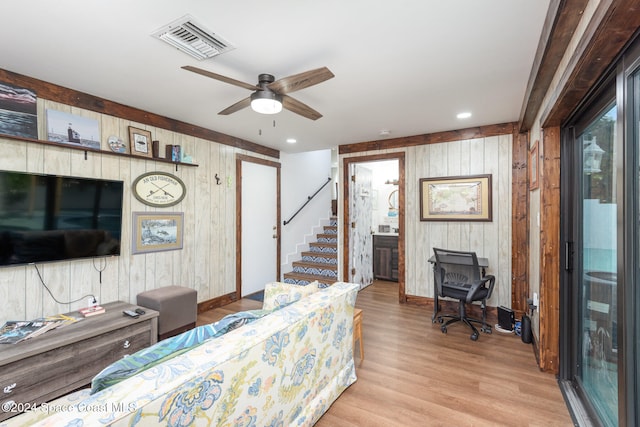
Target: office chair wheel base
x,y
443,329
440,320
474,337
487,330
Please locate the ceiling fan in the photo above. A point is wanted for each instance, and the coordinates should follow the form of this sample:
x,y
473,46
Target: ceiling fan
x,y
270,95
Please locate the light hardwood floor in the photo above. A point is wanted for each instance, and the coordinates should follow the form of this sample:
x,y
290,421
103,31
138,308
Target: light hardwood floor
x,y
414,375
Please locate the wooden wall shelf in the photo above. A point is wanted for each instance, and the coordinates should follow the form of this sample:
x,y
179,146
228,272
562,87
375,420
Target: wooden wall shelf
x,y
93,150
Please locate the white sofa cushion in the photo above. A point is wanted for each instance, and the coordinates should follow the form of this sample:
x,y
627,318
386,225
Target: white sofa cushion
x,y
279,294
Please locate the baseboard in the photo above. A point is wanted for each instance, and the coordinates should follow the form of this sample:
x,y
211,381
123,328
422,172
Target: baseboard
x,y
216,302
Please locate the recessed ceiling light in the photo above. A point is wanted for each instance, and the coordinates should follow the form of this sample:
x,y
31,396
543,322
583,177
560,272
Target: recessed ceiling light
x,y
385,132
291,140
464,115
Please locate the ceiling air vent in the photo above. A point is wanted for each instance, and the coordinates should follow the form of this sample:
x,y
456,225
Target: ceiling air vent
x,y
192,38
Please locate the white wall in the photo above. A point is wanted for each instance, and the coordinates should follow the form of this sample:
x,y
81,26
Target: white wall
x,y
383,171
302,174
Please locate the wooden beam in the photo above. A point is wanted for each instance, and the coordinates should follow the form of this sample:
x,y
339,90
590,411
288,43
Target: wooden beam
x,y
549,309
89,102
520,224
612,26
213,303
429,138
562,19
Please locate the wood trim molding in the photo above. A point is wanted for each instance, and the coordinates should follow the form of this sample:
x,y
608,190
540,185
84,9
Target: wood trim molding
x,y
216,302
562,19
89,102
549,309
613,25
519,224
400,157
429,138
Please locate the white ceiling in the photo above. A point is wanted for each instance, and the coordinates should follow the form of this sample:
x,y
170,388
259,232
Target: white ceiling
x,y
407,66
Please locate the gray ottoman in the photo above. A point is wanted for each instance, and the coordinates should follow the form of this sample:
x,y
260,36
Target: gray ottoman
x,y
177,306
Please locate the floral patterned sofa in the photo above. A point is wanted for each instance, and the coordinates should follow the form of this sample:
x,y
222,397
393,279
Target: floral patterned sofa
x,y
285,368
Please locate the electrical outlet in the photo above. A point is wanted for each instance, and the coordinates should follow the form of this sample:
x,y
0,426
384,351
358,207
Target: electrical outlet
x,y
91,303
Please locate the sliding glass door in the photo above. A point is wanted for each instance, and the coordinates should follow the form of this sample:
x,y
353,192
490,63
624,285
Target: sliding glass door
x,y
600,283
632,317
596,275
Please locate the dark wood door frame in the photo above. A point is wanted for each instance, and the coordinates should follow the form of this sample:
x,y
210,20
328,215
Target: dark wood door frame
x,y
346,162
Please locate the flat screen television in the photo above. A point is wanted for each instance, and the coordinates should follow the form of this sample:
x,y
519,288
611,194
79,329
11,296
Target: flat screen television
x,y
53,218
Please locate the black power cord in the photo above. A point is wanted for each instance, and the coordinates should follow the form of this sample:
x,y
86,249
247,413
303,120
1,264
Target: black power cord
x,y
95,301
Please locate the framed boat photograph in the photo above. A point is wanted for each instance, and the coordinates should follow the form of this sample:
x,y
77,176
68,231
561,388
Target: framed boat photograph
x,y
73,129
456,198
140,142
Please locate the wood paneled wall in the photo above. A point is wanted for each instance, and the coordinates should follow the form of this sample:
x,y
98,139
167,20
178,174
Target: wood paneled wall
x,y
482,155
207,261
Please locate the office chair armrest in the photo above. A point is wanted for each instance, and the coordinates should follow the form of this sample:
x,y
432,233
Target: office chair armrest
x,y
481,284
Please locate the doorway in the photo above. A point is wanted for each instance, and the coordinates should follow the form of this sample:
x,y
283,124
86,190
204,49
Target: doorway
x,y
258,236
395,215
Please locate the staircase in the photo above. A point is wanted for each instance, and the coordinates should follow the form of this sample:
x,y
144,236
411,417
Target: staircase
x,y
320,262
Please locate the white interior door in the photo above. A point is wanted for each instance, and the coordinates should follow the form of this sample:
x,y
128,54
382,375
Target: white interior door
x,y
360,238
259,226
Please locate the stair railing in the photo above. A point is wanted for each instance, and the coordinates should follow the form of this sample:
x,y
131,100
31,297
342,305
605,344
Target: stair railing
x,y
308,200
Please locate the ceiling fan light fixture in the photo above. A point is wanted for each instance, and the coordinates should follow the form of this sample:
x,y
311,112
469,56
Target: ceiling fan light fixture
x,y
266,102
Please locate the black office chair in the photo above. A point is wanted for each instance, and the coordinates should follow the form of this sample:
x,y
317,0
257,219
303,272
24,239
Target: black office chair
x,y
458,275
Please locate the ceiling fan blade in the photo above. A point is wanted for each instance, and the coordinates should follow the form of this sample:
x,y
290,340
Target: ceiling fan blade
x,y
221,77
300,81
298,107
244,103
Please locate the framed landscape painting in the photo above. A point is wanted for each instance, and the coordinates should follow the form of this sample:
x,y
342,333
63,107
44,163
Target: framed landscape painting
x,y
18,111
456,198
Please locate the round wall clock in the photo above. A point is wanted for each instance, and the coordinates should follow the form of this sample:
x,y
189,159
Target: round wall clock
x,y
159,189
